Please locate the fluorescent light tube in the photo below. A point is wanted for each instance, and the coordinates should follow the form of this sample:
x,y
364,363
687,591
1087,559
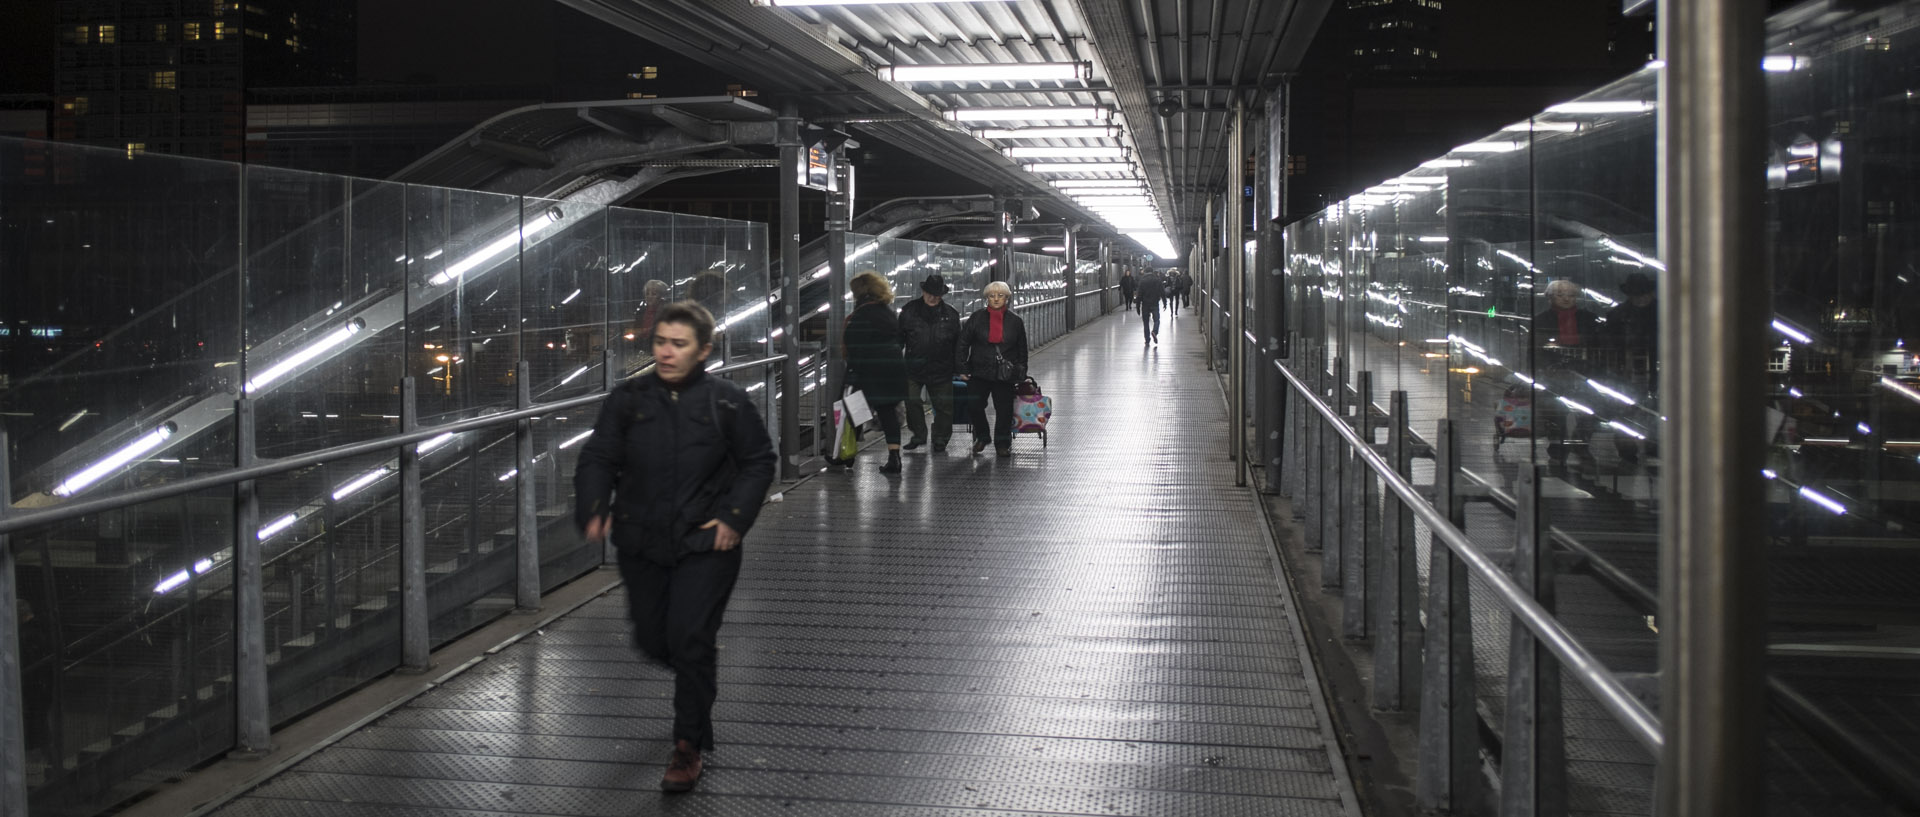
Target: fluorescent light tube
x,y
861,2
1080,167
1488,147
1543,127
1782,63
359,482
434,443
168,584
499,245
92,473
1791,332
1067,132
276,526
1043,152
301,358
1042,114
575,439
988,72
1603,106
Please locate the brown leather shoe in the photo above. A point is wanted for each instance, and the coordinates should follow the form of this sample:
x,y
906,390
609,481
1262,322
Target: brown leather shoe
x,y
683,771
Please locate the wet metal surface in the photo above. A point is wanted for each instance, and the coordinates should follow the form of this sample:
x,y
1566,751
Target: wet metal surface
x,y
1090,628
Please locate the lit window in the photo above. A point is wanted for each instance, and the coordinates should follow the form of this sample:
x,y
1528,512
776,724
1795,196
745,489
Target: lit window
x,y
165,81
258,35
190,31
108,35
159,32
220,31
82,34
255,10
650,72
135,149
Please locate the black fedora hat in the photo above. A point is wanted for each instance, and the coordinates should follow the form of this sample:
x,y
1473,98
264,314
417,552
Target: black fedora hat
x,y
934,285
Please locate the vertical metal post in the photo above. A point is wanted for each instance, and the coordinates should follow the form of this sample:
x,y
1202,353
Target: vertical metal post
x,y
1334,511
788,138
249,601
414,653
13,700
1003,268
527,510
1396,644
1713,326
1106,276
607,554
1292,410
835,362
1533,760
1448,780
1072,243
1359,509
1310,497
1236,291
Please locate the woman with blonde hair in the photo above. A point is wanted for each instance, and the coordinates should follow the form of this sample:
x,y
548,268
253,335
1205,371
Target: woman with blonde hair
x,y
992,358
876,361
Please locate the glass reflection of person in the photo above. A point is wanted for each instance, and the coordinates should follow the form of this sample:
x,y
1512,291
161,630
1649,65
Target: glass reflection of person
x,y
1565,324
1569,330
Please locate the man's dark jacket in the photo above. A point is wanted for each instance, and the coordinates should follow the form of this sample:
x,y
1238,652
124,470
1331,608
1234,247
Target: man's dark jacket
x,y
929,333
1153,287
664,466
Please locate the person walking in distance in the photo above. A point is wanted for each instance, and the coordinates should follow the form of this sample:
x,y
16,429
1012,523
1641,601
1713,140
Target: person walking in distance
x,y
929,328
675,472
1153,289
1127,285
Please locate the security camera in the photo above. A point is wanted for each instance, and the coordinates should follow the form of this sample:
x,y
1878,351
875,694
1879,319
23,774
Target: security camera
x,y
1167,108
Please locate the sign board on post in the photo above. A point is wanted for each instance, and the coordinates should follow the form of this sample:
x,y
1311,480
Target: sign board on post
x,y
817,168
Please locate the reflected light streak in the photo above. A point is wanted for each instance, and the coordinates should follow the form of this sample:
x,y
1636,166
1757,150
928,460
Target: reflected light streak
x,y
126,454
1823,500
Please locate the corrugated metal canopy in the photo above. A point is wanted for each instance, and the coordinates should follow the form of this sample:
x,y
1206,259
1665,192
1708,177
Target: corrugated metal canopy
x,y
1189,58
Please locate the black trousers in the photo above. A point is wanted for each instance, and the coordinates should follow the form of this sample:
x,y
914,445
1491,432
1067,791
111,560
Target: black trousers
x,y
1150,319
1002,392
889,416
676,613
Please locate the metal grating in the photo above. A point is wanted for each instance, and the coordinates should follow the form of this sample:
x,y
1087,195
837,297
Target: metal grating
x,y
1090,628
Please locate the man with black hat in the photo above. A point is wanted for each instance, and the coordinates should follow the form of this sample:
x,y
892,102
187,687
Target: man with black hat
x,y
929,329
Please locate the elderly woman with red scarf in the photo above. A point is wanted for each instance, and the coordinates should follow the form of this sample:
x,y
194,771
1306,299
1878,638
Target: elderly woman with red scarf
x,y
992,358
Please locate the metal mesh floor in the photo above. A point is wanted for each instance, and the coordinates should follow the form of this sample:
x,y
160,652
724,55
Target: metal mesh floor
x,y
1093,627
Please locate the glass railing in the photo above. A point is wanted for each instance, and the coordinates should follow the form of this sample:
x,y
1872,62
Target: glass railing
x,y
146,297
1508,289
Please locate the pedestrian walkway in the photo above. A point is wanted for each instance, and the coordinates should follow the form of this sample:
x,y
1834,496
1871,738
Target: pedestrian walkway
x,y
1096,626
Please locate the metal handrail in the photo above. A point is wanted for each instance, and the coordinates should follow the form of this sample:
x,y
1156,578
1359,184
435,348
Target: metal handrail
x,y
1613,695
18,521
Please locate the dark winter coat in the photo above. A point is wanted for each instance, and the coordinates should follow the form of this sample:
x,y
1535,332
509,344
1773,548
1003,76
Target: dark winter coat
x,y
663,466
982,359
929,333
1546,328
1153,287
1127,283
875,363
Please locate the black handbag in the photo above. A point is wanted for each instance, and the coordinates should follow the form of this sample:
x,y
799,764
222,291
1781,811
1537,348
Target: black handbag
x,y
1003,369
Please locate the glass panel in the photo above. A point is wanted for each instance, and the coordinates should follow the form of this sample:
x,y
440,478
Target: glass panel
x,y
118,334
463,343
1843,410
325,327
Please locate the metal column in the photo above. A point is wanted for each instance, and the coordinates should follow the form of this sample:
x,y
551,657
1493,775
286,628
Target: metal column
x,y
836,364
526,542
1448,780
1237,291
788,138
414,650
1359,512
1533,760
13,738
1003,249
1713,325
1072,252
1396,645
1333,484
252,736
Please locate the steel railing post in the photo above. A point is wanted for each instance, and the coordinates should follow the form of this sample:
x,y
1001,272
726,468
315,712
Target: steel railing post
x,y
1359,513
527,508
1396,647
13,738
1533,756
252,735
788,137
1333,510
414,652
1447,780
1290,435
1313,488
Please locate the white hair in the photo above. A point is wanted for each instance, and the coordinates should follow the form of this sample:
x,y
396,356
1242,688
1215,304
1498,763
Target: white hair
x,y
997,288
1563,285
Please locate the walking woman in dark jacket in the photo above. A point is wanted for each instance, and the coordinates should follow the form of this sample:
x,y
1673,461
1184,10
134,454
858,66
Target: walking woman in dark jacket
x,y
992,357
876,364
675,472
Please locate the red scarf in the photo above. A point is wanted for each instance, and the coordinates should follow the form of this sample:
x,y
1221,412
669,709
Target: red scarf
x,y
1569,328
996,319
